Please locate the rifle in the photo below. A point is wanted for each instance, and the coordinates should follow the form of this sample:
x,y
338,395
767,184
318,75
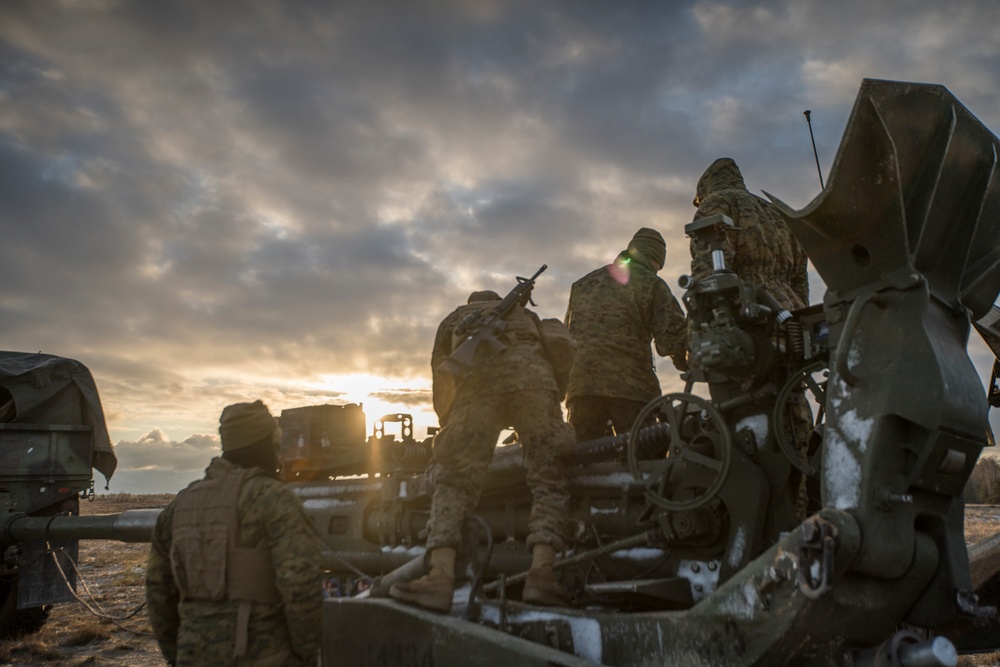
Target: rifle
x,y
478,328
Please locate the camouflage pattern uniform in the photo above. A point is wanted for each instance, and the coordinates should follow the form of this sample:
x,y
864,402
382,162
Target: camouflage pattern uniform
x,y
200,632
614,313
516,387
762,251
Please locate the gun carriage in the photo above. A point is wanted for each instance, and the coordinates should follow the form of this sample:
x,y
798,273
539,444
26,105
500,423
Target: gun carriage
x,y
691,546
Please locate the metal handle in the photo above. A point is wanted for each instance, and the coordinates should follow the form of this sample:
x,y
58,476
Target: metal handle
x,y
844,348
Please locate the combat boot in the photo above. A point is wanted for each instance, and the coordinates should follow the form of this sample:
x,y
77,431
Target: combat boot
x,y
434,590
542,586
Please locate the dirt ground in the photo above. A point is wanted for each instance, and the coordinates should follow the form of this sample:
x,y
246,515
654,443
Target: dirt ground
x,y
115,571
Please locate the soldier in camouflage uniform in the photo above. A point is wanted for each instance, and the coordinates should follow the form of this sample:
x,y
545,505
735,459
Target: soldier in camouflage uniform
x,y
234,570
761,251
516,387
614,313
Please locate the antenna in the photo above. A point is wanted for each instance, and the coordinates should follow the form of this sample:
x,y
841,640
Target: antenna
x,y
808,114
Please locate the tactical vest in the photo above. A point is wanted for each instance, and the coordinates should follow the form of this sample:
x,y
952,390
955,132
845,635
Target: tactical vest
x,y
206,559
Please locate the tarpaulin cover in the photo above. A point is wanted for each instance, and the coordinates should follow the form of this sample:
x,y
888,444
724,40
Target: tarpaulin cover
x,y
45,389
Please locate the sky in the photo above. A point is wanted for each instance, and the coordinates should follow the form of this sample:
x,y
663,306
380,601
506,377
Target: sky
x,y
213,202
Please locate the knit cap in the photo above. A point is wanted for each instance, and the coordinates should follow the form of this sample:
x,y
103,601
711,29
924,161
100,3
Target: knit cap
x,y
243,424
650,244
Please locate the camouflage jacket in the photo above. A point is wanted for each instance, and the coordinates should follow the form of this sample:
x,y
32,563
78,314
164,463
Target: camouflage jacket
x,y
198,632
521,365
614,313
762,251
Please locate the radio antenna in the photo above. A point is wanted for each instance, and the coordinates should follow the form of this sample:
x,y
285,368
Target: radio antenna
x,y
808,114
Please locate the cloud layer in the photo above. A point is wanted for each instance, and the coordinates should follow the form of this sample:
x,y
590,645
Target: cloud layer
x,y
209,202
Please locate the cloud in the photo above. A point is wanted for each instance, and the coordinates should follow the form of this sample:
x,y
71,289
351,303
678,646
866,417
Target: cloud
x,y
155,450
212,202
414,398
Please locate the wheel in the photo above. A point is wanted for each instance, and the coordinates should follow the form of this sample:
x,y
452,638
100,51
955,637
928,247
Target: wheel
x,y
684,413
801,380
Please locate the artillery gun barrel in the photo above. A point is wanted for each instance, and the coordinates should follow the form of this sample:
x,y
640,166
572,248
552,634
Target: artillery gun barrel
x,y
128,526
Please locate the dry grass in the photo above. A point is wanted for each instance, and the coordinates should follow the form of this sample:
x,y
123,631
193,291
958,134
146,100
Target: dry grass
x,y
981,521
87,634
115,573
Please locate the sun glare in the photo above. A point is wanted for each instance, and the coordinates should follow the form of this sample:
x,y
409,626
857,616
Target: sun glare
x,y
367,390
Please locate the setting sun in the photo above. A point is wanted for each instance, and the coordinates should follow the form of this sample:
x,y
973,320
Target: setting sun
x,y
380,396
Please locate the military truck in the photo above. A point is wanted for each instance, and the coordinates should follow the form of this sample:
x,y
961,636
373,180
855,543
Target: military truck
x,y
716,536
52,437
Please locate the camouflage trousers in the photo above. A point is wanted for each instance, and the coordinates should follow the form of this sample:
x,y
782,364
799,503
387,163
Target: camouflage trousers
x,y
589,415
463,450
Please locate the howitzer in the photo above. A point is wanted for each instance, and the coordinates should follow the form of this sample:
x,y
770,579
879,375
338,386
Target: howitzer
x,y
693,551
477,329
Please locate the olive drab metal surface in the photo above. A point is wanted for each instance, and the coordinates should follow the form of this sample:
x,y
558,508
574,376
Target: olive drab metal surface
x,y
913,195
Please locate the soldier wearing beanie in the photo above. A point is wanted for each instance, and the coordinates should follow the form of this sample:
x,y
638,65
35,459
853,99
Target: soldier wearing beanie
x,y
615,313
649,244
234,568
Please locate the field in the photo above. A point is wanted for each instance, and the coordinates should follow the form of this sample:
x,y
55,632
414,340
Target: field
x,y
115,571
